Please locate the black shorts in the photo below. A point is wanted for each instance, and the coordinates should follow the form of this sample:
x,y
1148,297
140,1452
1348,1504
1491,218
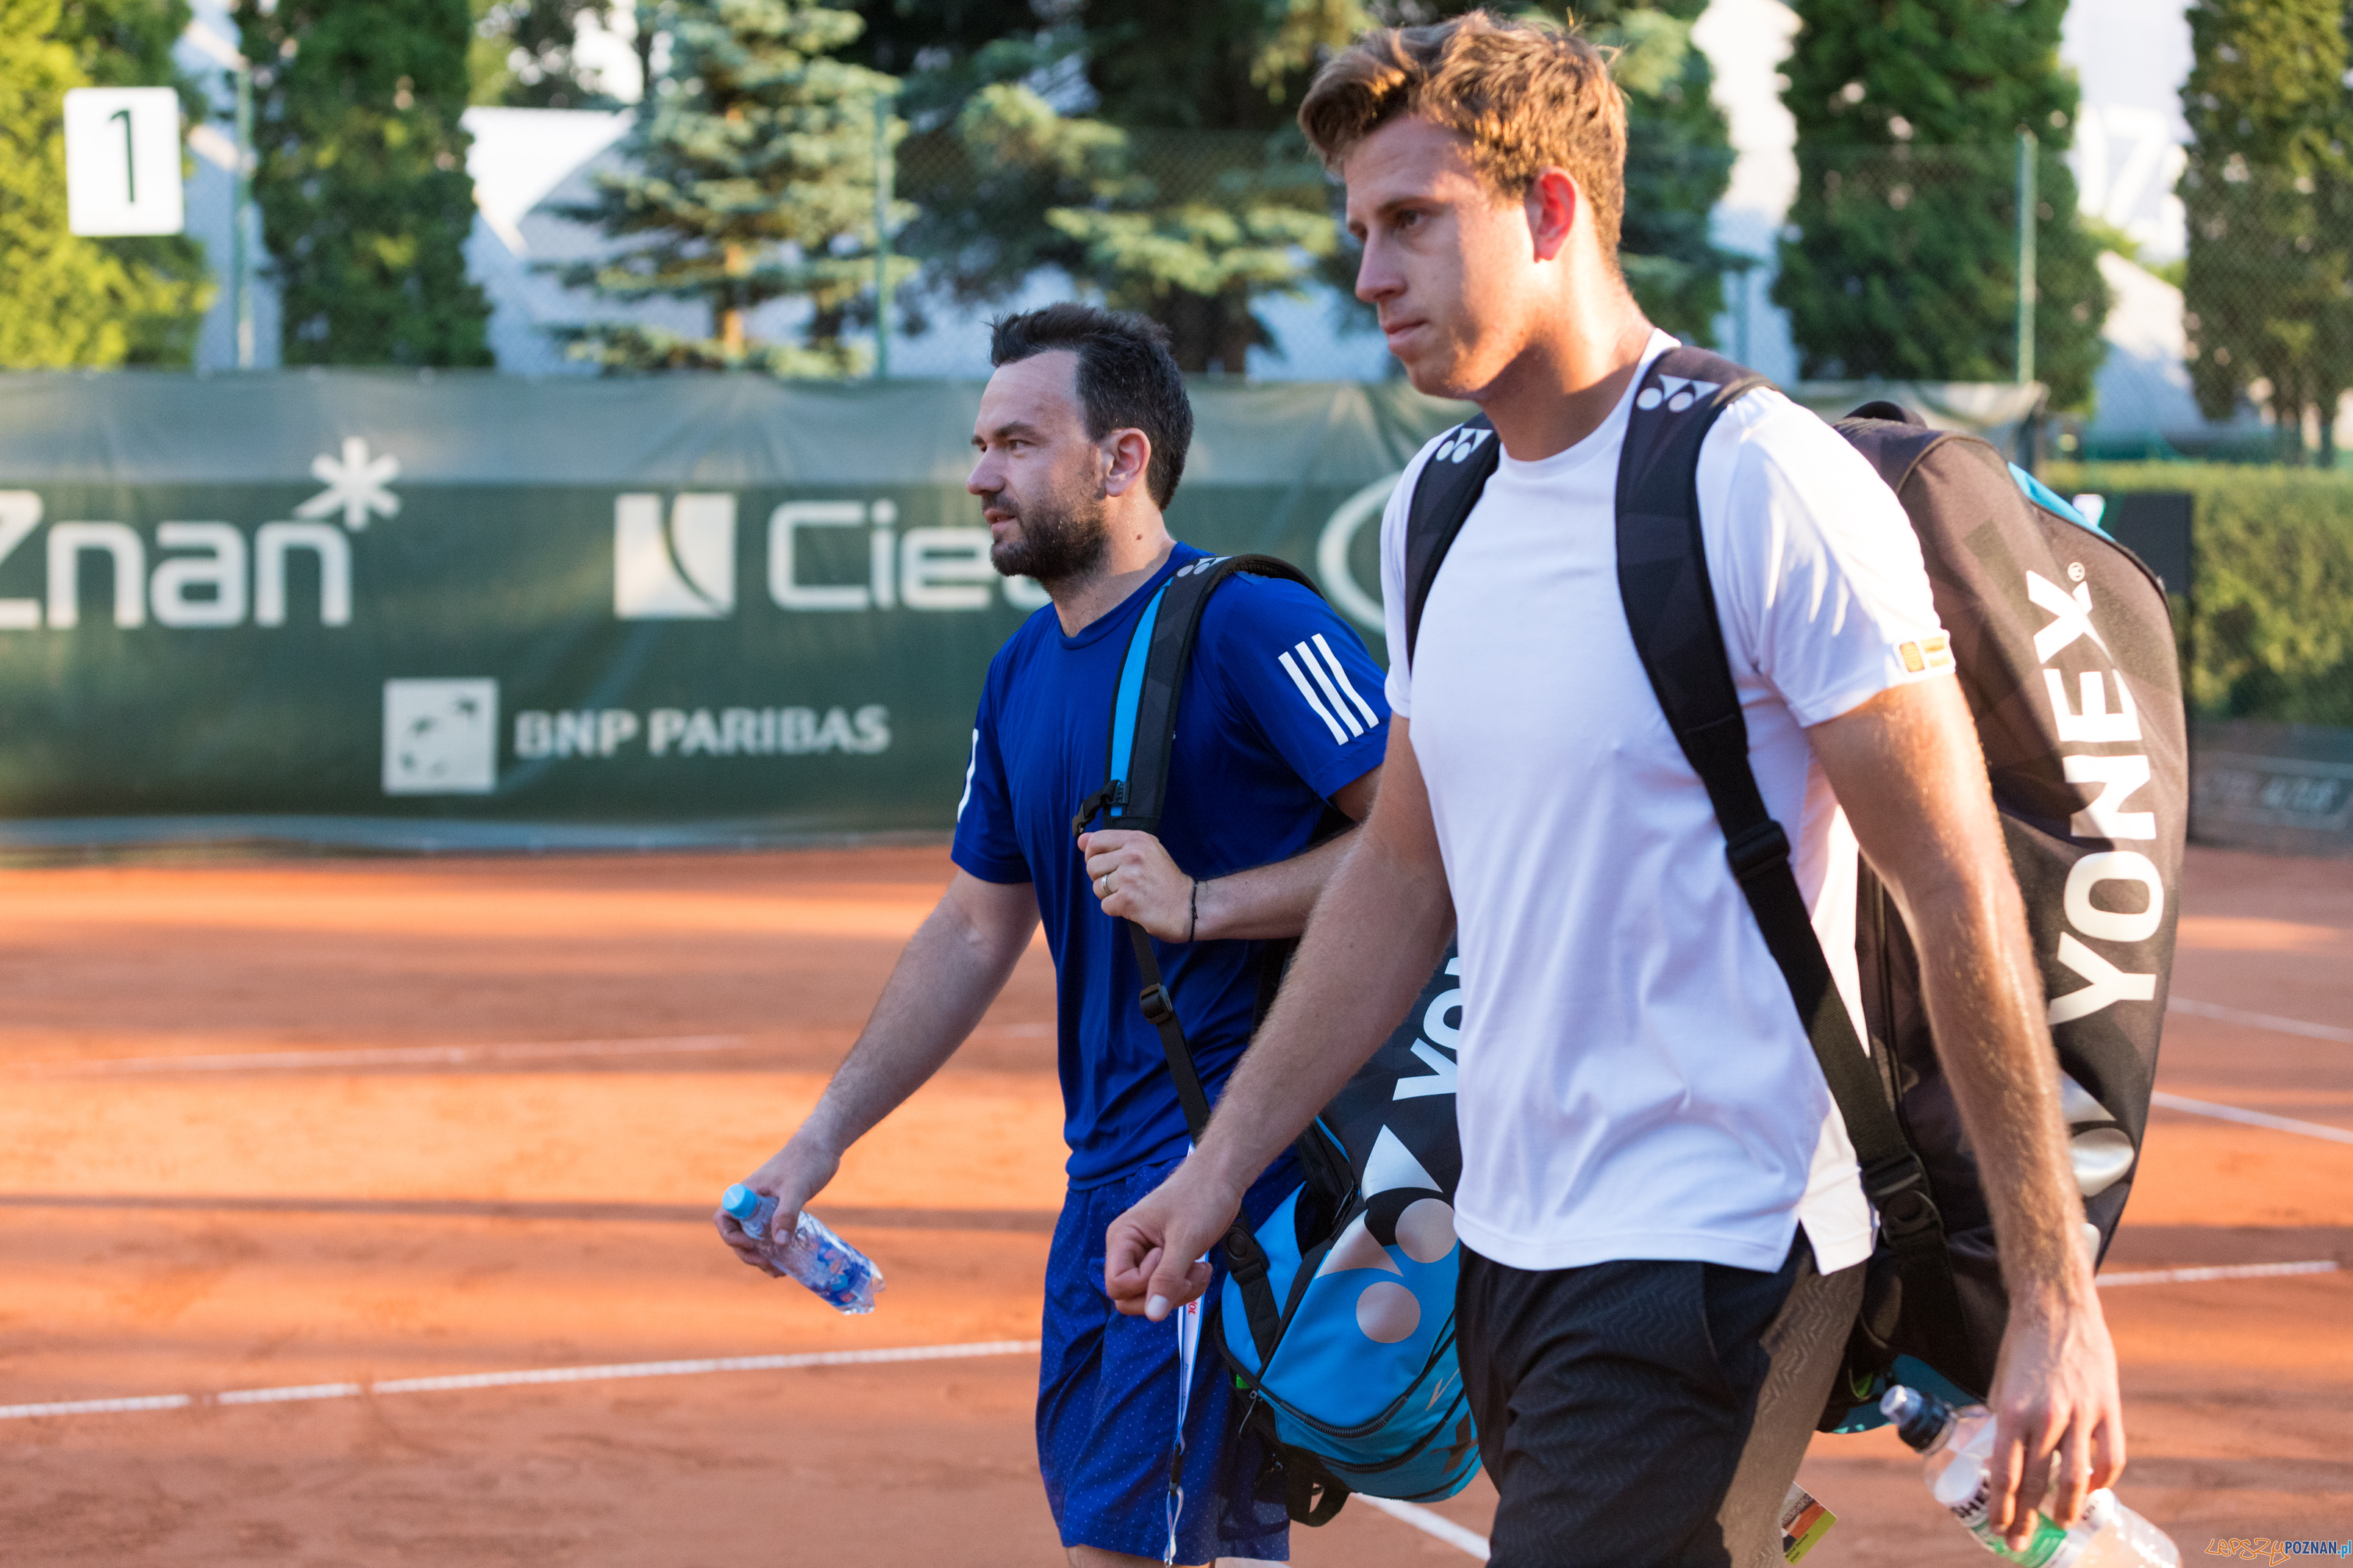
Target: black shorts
x,y
1644,1414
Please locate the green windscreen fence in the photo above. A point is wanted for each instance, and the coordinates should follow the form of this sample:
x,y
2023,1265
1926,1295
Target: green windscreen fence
x,y
687,602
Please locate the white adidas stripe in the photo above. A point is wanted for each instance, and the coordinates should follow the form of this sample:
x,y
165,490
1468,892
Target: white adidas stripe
x,y
1307,656
1372,719
1339,735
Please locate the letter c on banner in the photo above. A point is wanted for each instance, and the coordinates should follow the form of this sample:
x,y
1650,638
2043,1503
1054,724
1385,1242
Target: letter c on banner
x,y
2115,925
1332,551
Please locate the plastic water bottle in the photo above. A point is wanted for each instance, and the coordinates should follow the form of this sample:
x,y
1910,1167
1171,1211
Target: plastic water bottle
x,y
1959,1446
843,1277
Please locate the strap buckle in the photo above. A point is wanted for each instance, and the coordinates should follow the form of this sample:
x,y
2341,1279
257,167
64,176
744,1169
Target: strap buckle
x,y
1898,1189
1154,1002
1112,793
1755,848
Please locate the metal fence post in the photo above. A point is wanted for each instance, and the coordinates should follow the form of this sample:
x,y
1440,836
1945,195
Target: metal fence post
x,y
882,182
241,196
2027,202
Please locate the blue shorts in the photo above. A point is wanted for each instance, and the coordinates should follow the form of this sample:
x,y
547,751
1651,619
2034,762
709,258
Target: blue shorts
x,y
1107,1403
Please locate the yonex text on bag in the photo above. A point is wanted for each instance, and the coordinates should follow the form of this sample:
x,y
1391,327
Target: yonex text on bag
x,y
2063,646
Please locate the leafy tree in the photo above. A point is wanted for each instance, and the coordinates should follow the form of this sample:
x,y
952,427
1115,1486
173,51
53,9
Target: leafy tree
x,y
1904,261
523,55
128,42
64,301
365,203
750,179
2269,193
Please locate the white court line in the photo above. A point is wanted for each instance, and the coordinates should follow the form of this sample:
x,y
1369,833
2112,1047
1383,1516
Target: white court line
x,y
425,1056
2260,1020
2227,1271
1431,1523
517,1379
390,1055
2249,1117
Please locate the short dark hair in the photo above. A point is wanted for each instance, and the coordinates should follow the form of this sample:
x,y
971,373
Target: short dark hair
x,y
1127,378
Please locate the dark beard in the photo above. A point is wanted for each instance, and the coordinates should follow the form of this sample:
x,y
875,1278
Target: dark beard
x,y
1061,542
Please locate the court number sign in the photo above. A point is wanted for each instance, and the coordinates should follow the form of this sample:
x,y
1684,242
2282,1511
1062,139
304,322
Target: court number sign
x,y
123,160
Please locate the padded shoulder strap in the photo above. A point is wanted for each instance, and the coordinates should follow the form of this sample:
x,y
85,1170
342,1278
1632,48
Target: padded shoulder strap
x,y
1671,611
1151,678
1442,499
1143,735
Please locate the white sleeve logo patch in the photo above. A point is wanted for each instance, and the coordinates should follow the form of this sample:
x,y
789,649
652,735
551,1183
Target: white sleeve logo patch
x,y
1339,696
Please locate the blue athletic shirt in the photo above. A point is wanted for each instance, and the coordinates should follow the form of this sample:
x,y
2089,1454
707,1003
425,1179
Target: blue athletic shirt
x,y
1282,709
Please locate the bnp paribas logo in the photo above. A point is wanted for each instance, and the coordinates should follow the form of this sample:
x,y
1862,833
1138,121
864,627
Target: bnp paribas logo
x,y
678,568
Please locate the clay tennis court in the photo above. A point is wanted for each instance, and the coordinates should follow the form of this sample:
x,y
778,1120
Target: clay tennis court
x,y
327,1126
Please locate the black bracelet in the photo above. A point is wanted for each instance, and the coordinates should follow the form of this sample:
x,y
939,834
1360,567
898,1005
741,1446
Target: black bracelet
x,y
1194,923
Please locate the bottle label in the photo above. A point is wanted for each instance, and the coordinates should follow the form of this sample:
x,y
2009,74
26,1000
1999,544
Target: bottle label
x,y
2041,1547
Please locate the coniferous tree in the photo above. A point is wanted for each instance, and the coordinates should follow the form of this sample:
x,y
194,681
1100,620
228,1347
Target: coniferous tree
x,y
525,55
2269,194
366,202
1904,262
1151,153
64,300
1679,162
750,179
128,42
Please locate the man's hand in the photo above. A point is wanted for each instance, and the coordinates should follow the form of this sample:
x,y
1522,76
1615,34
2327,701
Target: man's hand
x,y
1908,769
793,1175
1136,881
2054,1392
952,969
1152,1254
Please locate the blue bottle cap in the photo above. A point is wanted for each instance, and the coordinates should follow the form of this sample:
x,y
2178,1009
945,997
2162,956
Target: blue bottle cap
x,y
740,1201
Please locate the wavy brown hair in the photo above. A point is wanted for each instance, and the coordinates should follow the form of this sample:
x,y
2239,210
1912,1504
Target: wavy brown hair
x,y
1526,95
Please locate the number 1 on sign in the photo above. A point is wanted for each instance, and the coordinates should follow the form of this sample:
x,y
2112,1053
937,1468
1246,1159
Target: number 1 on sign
x,y
130,162
123,160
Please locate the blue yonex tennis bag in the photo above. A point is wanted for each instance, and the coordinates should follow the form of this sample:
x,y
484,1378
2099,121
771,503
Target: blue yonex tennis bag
x,y
1337,1313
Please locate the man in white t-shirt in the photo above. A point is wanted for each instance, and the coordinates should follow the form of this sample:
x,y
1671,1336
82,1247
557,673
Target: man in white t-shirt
x,y
1661,1223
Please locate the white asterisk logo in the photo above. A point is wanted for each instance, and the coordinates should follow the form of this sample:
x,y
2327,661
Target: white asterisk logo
x,y
356,485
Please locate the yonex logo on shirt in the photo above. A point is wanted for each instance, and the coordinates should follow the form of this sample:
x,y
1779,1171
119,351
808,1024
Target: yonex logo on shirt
x,y
1457,447
1332,685
1680,392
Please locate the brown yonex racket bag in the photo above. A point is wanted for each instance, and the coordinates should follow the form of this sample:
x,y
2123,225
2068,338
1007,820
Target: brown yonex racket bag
x,y
2064,644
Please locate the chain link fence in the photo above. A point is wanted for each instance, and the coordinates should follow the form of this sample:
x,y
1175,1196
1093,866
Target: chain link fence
x,y
1906,263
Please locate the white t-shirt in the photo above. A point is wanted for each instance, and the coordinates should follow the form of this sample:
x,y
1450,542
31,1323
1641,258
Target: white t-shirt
x,y
1634,1081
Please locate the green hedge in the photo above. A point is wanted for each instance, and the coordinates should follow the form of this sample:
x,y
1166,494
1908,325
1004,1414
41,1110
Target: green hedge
x,y
2274,633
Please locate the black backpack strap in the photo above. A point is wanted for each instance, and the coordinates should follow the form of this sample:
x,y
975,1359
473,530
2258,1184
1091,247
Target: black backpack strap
x,y
1671,610
1134,797
1135,790
1450,485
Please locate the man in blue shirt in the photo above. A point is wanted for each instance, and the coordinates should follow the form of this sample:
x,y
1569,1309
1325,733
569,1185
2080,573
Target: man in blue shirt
x,y
1281,724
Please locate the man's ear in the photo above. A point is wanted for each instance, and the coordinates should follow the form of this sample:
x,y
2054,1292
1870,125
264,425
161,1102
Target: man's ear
x,y
1553,205
1126,455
